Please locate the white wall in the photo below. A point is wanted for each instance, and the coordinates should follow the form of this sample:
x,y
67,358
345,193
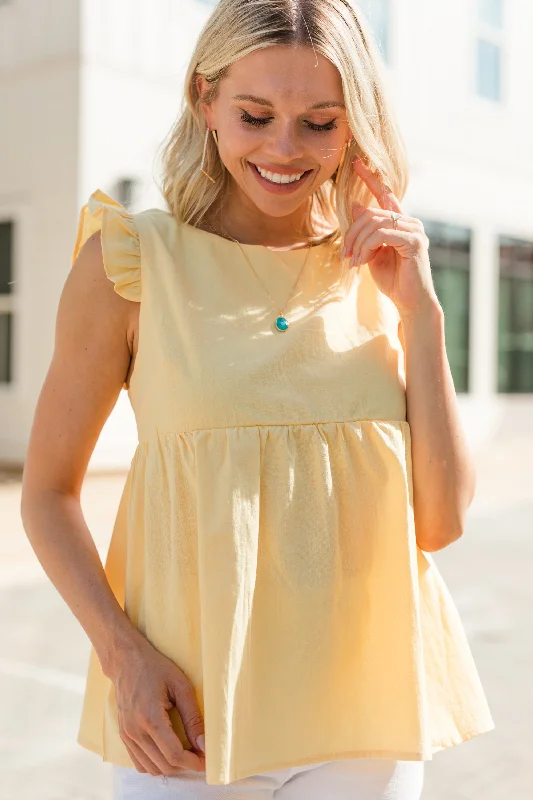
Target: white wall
x,y
38,177
133,62
471,158
90,89
134,55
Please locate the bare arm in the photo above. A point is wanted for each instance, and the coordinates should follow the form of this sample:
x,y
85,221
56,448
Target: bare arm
x,y
92,353
443,470
395,247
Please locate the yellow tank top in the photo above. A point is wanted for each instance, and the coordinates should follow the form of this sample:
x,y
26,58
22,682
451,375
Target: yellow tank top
x,y
265,539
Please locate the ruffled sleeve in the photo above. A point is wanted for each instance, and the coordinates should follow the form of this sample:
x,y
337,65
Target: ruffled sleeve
x,y
121,248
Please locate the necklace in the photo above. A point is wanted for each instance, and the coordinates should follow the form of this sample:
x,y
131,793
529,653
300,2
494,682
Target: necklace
x,y
281,323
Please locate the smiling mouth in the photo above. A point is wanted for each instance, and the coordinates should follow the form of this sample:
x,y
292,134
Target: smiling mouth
x,y
277,178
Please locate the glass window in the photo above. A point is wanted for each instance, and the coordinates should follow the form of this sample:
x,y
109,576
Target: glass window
x,y
378,14
488,69
6,260
6,291
491,12
6,325
126,191
449,253
515,330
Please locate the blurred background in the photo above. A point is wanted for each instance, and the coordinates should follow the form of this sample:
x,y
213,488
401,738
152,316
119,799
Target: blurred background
x,y
88,91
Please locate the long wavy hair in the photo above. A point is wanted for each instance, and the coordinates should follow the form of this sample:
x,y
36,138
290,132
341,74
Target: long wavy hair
x,y
339,31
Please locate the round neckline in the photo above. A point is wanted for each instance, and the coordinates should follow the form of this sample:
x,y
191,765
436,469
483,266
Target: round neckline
x,y
263,248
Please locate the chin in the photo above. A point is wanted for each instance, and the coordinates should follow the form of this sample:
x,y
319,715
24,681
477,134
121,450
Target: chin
x,y
277,205
276,208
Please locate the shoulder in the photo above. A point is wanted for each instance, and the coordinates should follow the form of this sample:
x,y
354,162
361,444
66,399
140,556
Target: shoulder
x,y
107,225
90,308
168,245
170,231
133,244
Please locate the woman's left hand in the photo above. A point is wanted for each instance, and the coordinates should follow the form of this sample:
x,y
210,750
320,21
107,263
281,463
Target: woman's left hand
x,y
397,258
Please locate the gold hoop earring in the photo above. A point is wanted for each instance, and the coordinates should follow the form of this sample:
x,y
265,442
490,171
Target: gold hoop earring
x,y
207,175
215,136
341,162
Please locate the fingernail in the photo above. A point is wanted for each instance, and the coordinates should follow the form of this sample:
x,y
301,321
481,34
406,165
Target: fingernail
x,y
200,742
352,261
343,253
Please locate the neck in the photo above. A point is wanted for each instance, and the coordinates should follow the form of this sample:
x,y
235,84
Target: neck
x,y
240,219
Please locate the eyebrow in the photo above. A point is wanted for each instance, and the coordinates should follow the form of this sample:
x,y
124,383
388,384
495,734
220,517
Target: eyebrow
x,y
261,101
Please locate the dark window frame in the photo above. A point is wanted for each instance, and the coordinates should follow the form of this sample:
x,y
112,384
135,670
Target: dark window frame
x,y
7,281
452,264
515,307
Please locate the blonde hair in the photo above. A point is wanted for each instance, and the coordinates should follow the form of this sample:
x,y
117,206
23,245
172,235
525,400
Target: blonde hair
x,y
336,29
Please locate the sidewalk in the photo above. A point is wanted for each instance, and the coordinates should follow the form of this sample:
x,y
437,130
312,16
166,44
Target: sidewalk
x,y
505,461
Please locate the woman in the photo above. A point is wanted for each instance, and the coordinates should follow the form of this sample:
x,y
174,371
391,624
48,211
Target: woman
x,y
268,584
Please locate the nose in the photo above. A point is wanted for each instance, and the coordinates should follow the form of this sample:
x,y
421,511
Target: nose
x,y
285,145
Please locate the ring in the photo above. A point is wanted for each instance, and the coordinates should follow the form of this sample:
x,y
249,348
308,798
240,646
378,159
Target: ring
x,y
395,217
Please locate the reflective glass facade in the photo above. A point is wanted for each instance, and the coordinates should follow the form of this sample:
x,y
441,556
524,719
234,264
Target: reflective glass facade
x,y
449,253
515,329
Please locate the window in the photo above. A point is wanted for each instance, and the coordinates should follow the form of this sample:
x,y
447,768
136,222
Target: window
x,y
449,253
378,14
491,12
489,48
488,70
126,191
515,330
6,298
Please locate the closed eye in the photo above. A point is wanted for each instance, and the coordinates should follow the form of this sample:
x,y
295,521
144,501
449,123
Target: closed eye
x,y
261,121
328,126
246,117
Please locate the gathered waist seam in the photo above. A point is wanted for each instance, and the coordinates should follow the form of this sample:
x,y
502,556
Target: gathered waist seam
x,y
161,434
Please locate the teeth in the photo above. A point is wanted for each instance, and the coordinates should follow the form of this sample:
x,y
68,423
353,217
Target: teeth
x,y
275,177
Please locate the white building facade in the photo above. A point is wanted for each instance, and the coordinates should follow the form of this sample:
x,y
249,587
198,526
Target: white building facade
x,y
90,88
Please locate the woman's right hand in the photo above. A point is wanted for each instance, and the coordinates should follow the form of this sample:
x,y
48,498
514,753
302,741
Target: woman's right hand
x,y
147,685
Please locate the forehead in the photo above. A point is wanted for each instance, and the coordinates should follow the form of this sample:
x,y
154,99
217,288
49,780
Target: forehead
x,y
284,74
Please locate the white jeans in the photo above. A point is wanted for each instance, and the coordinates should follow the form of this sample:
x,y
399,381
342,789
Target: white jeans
x,y
346,779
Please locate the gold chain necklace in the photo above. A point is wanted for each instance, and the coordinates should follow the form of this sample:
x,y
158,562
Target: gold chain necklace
x,y
281,323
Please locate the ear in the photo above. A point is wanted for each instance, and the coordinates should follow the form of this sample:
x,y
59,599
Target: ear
x,y
202,87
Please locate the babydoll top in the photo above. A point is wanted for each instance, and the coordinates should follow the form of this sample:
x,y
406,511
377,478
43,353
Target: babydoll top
x,y
265,538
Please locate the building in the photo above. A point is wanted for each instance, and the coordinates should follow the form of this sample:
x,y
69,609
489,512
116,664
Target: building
x,y
90,89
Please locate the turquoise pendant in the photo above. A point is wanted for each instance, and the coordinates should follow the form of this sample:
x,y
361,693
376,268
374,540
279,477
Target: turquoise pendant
x,y
282,324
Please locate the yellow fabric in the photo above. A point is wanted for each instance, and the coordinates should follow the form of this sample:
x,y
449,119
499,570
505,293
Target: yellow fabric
x,y
265,540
